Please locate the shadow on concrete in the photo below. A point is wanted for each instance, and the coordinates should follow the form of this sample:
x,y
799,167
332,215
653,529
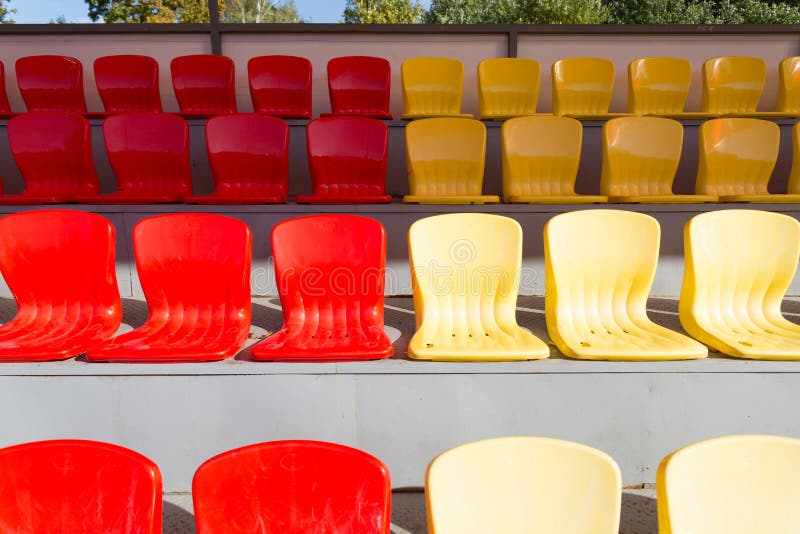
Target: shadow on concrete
x,y
176,520
639,514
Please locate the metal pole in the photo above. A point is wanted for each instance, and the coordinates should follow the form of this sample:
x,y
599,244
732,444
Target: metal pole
x,y
214,35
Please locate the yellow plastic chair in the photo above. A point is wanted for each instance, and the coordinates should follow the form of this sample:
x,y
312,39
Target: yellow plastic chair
x,y
794,176
738,266
733,484
733,85
432,87
540,160
599,267
519,485
658,85
789,86
465,270
640,159
446,158
507,87
582,87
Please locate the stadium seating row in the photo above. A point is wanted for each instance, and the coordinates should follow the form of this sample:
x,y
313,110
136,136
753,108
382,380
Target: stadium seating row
x,y
194,270
734,484
248,156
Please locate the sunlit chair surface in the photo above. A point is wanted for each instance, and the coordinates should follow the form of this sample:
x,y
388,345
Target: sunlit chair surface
x,y
733,84
658,85
789,86
60,267
582,86
195,273
733,484
465,275
53,152
127,83
432,87
280,86
507,87
330,273
446,158
204,84
599,268
292,487
738,267
249,159
640,159
519,485
347,158
540,160
67,486
5,108
51,83
360,85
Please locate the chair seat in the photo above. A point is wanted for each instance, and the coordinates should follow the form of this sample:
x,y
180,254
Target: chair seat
x,y
343,199
495,346
23,199
596,116
133,197
686,115
777,344
372,115
761,199
452,199
412,116
244,198
319,345
664,199
558,199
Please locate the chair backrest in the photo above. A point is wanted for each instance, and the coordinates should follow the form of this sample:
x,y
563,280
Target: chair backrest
x,y
523,484
293,487
360,85
149,152
737,156
281,86
640,156
582,85
248,153
53,152
51,83
794,175
204,84
4,105
789,85
507,87
446,156
127,83
432,86
733,84
64,486
732,484
348,155
658,85
540,155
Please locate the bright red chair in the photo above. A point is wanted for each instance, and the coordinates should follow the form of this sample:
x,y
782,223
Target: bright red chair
x,y
330,272
347,158
127,83
195,272
51,83
149,153
67,486
281,86
292,487
360,85
5,108
249,159
60,266
204,84
53,152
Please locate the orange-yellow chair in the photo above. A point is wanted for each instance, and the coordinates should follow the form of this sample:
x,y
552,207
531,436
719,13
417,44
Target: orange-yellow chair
x,y
738,267
432,87
465,272
789,86
519,485
658,85
507,87
733,84
794,176
582,87
446,158
640,159
540,160
599,267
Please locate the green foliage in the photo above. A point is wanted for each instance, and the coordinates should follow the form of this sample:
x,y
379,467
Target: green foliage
x,y
5,12
259,11
383,12
149,10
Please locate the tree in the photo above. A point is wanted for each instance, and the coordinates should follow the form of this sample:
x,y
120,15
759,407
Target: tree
x,y
516,12
702,12
260,11
150,10
383,12
5,12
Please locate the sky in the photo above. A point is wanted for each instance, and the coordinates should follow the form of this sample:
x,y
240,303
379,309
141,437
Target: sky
x,y
43,11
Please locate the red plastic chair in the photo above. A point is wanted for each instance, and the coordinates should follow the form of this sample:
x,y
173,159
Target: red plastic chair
x,y
68,486
53,152
292,487
127,83
249,159
204,84
51,83
60,267
5,108
330,273
195,272
281,86
347,158
360,85
149,153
